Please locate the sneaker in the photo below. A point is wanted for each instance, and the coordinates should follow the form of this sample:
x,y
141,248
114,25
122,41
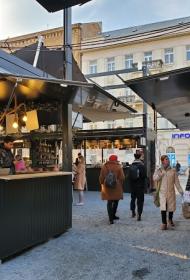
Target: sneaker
x,y
79,204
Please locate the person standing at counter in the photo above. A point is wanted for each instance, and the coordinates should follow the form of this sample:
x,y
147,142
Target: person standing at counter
x,y
6,155
20,165
80,179
115,193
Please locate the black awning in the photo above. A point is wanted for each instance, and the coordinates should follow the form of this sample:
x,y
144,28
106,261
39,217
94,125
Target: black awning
x,y
56,5
30,84
99,134
168,93
49,61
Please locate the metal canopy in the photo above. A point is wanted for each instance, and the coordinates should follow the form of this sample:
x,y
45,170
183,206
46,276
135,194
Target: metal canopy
x,y
50,61
56,5
9,64
36,85
168,93
85,98
103,134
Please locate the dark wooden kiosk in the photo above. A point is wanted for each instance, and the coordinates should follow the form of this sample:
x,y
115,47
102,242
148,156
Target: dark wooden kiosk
x,y
34,208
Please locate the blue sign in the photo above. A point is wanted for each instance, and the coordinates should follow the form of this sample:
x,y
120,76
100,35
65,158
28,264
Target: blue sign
x,y
172,158
181,135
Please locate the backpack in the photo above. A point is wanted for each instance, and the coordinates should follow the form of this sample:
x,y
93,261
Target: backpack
x,y
110,180
134,172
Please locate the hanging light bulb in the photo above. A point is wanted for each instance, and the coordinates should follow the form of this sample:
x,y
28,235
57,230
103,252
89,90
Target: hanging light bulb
x,y
24,118
15,123
1,127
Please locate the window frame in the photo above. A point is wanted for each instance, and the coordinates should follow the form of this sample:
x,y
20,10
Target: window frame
x,y
148,56
168,56
128,61
110,64
93,65
187,52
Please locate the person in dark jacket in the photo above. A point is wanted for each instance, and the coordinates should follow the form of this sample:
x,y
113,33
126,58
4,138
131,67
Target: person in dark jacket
x,y
178,167
137,176
112,195
6,155
188,182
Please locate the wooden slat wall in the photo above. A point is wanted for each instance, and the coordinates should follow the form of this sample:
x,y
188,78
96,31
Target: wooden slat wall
x,y
32,211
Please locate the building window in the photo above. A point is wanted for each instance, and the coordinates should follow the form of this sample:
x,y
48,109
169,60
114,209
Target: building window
x,y
169,56
148,56
93,66
188,52
110,64
110,124
129,122
128,61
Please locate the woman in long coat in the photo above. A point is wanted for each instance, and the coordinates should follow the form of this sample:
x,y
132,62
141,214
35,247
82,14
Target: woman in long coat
x,y
112,195
80,179
167,178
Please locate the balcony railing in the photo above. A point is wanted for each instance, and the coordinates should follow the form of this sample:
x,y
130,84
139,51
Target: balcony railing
x,y
129,99
153,64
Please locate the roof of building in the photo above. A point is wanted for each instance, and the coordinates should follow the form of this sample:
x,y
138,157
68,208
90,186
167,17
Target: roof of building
x,y
151,27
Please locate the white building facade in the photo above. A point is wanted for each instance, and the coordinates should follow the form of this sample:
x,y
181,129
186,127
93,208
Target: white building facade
x,y
162,46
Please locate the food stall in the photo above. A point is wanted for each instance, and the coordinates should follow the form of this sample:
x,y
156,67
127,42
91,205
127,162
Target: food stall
x,y
99,144
37,205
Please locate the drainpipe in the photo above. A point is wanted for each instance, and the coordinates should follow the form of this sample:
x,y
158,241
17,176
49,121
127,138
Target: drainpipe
x,y
40,43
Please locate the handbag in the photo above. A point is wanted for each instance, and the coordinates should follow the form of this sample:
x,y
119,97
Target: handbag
x,y
156,194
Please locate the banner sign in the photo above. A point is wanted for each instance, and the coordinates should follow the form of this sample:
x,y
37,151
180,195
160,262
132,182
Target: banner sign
x,y
181,135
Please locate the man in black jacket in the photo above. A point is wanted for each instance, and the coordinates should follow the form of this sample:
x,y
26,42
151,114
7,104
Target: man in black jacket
x,y
6,155
137,176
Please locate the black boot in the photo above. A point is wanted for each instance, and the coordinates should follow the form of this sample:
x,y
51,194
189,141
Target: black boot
x,y
133,214
115,217
138,217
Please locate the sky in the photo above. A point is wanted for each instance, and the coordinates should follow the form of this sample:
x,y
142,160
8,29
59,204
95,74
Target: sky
x,y
19,17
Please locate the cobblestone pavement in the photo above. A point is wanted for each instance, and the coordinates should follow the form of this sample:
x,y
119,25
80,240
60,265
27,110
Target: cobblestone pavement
x,y
95,250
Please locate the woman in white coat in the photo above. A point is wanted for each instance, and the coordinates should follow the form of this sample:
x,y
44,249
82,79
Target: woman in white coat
x,y
168,180
80,179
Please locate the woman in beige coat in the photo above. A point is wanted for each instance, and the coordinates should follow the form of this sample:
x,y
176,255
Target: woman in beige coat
x,y
167,178
80,179
112,195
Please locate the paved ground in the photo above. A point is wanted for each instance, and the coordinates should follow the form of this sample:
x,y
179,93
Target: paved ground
x,y
95,250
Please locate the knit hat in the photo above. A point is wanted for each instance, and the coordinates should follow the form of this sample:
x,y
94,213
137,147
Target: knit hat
x,y
113,158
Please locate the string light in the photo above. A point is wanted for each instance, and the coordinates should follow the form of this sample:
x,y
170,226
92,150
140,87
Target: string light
x,y
25,118
1,127
15,123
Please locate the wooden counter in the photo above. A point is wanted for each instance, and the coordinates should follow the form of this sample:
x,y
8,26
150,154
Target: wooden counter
x,y
33,175
33,208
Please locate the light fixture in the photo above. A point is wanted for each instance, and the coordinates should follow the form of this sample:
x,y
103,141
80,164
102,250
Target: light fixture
x,y
24,118
63,85
1,127
164,78
15,123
